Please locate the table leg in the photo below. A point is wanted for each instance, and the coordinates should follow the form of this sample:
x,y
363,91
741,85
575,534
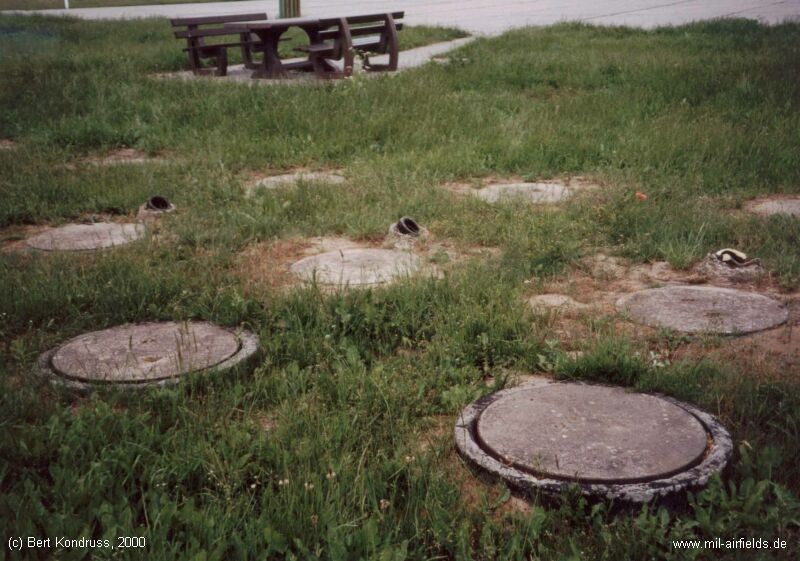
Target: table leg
x,y
322,67
271,67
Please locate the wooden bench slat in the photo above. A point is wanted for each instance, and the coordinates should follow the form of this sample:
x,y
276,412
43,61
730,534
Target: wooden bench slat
x,y
323,47
372,29
343,37
364,43
213,46
177,22
194,36
356,31
328,34
316,48
338,38
192,33
362,18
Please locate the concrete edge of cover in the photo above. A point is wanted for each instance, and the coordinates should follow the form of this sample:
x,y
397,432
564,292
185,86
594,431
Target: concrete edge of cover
x,y
715,459
248,346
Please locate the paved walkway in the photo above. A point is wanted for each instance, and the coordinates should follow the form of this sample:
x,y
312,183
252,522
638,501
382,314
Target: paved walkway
x,y
488,16
411,58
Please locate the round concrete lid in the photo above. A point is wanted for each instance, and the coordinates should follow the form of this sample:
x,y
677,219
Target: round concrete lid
x,y
86,237
609,445
704,309
531,192
788,205
591,433
283,180
356,267
144,352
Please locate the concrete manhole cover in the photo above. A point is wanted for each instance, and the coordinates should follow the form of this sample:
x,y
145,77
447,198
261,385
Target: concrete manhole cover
x,y
554,302
787,205
614,444
122,156
138,354
357,267
704,309
287,179
540,193
86,237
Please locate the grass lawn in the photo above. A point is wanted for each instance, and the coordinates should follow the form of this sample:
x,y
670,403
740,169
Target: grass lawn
x,y
53,4
362,388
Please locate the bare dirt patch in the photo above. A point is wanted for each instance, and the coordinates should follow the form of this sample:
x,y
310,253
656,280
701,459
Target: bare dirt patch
x,y
483,494
322,244
587,297
595,284
772,355
600,279
776,351
265,421
6,144
12,239
266,266
446,253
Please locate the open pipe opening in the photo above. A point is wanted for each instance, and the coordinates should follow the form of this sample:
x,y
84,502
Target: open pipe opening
x,y
157,202
408,227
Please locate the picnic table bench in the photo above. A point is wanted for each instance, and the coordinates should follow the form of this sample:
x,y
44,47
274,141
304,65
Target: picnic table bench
x,y
198,49
329,39
269,34
341,38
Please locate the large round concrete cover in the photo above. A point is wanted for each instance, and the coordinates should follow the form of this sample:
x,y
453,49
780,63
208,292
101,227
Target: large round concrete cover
x,y
704,309
144,352
530,192
355,267
591,433
85,237
285,179
789,206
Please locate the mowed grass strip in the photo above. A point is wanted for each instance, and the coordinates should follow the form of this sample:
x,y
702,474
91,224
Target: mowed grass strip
x,y
360,389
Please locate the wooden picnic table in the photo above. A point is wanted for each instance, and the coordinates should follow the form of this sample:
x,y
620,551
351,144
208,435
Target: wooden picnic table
x,y
269,32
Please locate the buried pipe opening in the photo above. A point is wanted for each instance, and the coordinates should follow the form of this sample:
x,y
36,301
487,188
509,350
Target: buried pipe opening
x,y
159,203
408,227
